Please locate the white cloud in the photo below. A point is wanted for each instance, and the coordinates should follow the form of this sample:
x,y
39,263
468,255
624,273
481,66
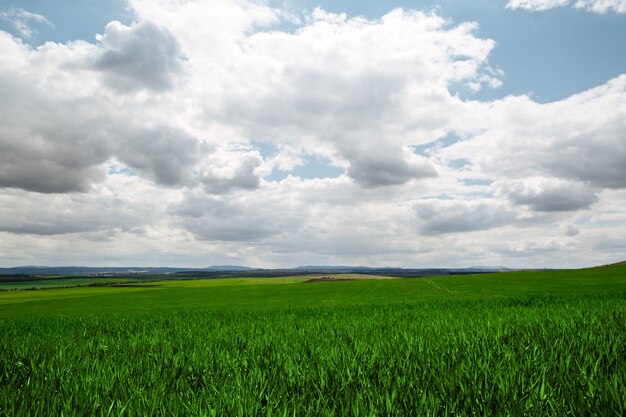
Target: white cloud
x,y
162,153
220,174
60,127
142,56
579,138
121,203
365,89
596,6
208,31
47,143
361,108
349,89
536,5
23,21
568,229
443,216
548,194
242,217
388,168
602,6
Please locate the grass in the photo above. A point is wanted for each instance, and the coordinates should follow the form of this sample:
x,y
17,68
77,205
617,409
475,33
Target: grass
x,y
525,343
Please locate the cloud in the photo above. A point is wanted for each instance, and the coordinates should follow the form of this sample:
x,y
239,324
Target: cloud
x,y
444,216
163,153
57,132
347,88
355,233
569,230
536,5
59,128
239,219
218,26
294,89
388,169
46,145
23,21
596,6
137,57
549,195
222,171
602,6
120,203
579,138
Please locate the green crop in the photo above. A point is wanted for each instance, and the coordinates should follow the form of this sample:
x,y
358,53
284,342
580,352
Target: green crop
x,y
536,344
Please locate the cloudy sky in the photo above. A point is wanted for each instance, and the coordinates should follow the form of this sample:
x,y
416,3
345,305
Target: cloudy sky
x,y
297,132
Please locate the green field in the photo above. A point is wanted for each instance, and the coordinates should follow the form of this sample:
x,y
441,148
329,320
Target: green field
x,y
521,343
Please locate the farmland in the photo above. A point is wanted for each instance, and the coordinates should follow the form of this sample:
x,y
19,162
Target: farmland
x,y
519,343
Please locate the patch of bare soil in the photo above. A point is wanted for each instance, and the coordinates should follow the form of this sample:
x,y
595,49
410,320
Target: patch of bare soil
x,y
121,284
326,279
347,277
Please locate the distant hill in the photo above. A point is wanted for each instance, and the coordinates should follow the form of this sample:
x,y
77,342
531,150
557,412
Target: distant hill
x,y
228,270
333,268
85,270
613,264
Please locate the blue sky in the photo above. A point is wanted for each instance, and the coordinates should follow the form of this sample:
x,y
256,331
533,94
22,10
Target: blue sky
x,y
291,132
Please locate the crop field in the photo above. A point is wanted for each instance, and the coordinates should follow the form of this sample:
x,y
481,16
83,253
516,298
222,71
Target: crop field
x,y
536,343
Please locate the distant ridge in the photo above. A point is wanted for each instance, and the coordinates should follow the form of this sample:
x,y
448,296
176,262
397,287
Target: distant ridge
x,y
85,270
336,267
613,264
229,270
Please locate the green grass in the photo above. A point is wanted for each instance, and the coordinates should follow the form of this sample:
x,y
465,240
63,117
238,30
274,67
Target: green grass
x,y
525,343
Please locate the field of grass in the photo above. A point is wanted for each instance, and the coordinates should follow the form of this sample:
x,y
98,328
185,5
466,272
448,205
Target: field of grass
x,y
523,343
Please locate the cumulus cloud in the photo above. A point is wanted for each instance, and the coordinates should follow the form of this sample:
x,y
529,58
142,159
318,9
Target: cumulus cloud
x,y
579,138
58,128
238,218
141,56
294,89
569,229
217,26
121,203
23,21
549,195
45,145
222,171
602,6
351,89
445,216
536,5
596,6
384,169
163,153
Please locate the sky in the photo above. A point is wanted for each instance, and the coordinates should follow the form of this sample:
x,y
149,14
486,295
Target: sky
x,y
190,133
